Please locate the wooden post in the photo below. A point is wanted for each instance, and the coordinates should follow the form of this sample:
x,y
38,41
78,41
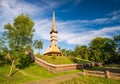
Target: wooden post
x,y
84,72
107,74
93,64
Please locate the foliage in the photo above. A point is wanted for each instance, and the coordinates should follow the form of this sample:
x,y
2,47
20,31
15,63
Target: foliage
x,y
3,59
99,50
81,52
38,44
1,44
117,37
102,50
117,42
68,53
18,36
3,50
90,80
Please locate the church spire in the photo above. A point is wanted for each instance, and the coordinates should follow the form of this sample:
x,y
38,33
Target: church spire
x,y
53,49
54,29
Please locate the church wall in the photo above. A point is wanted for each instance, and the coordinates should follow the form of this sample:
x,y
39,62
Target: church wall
x,y
64,67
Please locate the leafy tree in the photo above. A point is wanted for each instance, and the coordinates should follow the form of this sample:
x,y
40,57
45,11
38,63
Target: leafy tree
x,y
38,44
77,52
63,52
3,50
68,53
82,52
95,55
117,41
1,44
19,35
102,50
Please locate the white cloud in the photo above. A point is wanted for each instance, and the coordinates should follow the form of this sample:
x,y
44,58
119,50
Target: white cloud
x,y
42,28
16,7
9,9
114,13
86,36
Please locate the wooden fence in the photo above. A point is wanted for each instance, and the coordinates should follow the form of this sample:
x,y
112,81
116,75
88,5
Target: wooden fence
x,y
106,74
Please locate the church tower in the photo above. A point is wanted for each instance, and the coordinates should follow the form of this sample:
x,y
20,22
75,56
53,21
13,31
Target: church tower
x,y
53,49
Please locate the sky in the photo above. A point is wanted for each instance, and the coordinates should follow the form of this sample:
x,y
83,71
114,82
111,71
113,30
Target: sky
x,y
78,21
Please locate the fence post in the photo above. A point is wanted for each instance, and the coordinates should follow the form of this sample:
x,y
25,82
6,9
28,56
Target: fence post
x,y
107,74
84,72
93,64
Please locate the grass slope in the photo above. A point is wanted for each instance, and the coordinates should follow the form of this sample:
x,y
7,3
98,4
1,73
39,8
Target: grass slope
x,y
91,80
57,59
61,60
34,73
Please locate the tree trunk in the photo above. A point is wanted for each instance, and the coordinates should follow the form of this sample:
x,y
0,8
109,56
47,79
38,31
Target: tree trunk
x,y
10,73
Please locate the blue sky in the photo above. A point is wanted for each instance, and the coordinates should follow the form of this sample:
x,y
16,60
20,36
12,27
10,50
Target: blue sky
x,y
78,21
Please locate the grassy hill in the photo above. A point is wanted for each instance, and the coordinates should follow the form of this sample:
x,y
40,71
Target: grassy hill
x,y
36,72
32,73
62,60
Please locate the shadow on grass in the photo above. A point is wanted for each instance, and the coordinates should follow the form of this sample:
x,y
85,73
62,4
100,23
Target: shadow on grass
x,y
14,72
80,61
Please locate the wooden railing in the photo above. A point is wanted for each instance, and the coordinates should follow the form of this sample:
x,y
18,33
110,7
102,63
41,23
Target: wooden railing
x,y
106,74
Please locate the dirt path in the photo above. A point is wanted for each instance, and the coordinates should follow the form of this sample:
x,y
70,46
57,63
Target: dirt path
x,y
57,79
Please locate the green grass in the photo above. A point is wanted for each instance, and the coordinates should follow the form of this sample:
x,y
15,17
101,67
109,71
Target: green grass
x,y
91,80
62,60
34,73
57,59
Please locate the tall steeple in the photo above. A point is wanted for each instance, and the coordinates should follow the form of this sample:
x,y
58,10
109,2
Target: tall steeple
x,y
53,48
54,28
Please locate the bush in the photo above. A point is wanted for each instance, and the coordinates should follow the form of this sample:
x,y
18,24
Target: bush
x,y
25,61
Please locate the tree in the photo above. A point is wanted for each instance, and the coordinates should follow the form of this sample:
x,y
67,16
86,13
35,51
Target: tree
x,y
67,53
117,41
82,52
19,35
38,44
77,52
63,52
3,51
2,44
102,50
